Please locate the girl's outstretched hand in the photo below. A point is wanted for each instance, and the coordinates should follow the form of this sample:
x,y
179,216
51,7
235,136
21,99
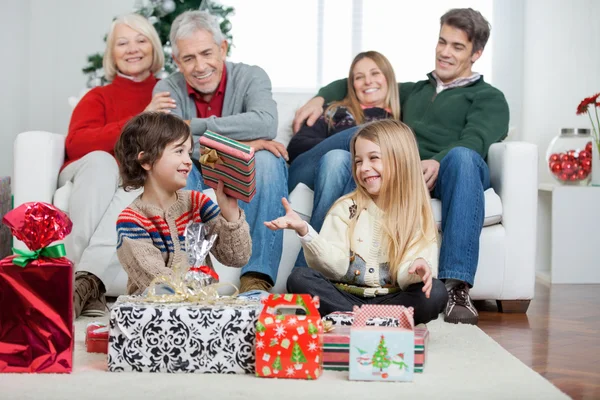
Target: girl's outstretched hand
x,y
228,205
290,220
421,268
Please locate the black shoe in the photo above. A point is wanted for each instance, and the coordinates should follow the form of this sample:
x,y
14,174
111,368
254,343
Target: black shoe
x,y
460,308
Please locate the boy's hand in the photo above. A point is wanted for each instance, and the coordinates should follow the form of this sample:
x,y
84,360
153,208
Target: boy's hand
x,y
290,220
421,268
228,205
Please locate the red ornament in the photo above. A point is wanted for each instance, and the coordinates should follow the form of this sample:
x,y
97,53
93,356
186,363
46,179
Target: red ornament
x,y
573,178
556,167
384,375
582,174
588,147
572,153
583,154
564,157
568,167
554,157
563,176
586,164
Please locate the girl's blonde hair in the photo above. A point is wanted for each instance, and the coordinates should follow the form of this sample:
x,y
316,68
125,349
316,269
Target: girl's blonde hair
x,y
351,103
404,199
139,24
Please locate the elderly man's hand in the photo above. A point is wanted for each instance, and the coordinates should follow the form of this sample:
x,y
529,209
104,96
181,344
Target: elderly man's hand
x,y
310,112
431,168
274,147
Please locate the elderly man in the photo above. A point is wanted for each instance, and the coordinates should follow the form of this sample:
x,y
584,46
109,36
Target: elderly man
x,y
456,117
234,100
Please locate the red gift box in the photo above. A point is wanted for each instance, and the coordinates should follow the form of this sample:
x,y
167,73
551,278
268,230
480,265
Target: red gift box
x,y
289,345
231,162
36,294
96,338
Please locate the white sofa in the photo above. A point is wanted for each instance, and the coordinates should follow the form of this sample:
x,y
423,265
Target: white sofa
x,y
506,270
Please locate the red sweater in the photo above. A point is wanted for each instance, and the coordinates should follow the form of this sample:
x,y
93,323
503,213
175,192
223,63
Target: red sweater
x,y
100,115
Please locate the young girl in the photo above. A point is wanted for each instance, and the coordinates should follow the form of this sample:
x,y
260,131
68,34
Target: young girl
x,y
153,152
378,244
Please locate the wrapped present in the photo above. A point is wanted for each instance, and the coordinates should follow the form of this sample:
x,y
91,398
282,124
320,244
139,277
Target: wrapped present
x,y
289,345
36,294
231,162
346,318
379,353
96,338
5,206
336,348
211,337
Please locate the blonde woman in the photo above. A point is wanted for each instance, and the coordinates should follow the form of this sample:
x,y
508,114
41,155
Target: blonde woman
x,y
133,55
378,244
372,95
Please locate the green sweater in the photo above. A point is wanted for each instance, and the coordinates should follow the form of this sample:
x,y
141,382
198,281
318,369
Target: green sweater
x,y
472,116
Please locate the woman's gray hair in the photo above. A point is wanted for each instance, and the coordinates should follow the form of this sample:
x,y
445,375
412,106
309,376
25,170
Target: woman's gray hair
x,y
138,24
189,22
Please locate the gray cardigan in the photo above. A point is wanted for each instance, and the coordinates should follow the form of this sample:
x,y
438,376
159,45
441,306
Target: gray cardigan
x,y
249,111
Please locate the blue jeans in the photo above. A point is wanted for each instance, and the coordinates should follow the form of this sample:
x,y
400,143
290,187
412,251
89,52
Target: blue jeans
x,y
462,179
271,186
305,166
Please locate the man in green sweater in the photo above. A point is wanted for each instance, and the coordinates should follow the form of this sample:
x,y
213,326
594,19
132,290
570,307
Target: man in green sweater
x,y
456,116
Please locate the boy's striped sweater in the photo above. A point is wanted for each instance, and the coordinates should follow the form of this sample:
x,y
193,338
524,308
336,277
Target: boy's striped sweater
x,y
150,239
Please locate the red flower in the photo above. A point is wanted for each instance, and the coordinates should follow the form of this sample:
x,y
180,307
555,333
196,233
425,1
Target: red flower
x,y
583,106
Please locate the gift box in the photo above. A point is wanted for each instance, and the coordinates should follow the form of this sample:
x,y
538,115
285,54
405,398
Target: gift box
x,y
289,345
36,294
96,338
5,206
336,348
217,337
379,353
231,162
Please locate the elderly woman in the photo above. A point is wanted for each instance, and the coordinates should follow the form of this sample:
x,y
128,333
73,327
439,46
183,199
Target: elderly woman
x,y
133,55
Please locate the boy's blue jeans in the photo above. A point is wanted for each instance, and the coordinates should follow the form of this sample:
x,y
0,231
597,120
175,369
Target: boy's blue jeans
x,y
271,186
462,179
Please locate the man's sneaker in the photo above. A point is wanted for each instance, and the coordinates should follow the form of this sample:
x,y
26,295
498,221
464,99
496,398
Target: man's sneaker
x,y
254,281
87,288
460,308
95,307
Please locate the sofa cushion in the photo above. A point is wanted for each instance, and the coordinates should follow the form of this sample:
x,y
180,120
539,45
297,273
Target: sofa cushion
x,y
302,196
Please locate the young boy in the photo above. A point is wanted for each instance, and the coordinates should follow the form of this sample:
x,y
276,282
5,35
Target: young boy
x,y
153,152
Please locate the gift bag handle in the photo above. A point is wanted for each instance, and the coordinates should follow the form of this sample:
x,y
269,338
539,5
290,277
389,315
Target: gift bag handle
x,y
365,312
307,302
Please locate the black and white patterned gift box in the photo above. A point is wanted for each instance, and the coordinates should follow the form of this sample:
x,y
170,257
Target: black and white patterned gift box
x,y
182,337
345,318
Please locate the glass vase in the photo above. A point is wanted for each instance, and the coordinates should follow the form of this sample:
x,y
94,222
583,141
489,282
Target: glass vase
x,y
569,157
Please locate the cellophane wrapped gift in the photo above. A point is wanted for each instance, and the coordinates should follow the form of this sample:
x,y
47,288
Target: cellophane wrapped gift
x,y
198,243
36,294
150,336
231,162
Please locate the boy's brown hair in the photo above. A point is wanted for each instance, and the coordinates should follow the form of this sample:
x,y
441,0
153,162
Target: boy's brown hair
x,y
151,133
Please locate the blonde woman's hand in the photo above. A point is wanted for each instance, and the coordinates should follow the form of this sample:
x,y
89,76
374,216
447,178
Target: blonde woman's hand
x,y
228,205
161,102
290,220
421,268
310,112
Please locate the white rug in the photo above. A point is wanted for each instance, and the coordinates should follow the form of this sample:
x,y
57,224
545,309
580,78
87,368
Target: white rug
x,y
462,363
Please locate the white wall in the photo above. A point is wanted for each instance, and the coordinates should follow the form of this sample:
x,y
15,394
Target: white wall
x,y
562,66
14,31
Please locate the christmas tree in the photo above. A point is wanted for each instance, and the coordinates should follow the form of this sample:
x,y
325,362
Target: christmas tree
x,y
297,354
260,327
277,364
162,13
312,329
380,358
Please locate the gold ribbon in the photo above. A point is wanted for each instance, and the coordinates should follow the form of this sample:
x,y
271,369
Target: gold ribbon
x,y
210,159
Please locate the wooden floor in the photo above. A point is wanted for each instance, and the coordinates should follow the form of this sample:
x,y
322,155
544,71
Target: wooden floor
x,y
559,337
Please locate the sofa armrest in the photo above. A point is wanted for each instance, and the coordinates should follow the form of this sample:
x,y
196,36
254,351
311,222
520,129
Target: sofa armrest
x,y
514,176
38,157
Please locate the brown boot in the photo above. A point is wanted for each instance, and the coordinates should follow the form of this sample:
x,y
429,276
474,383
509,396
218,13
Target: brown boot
x,y
254,281
88,289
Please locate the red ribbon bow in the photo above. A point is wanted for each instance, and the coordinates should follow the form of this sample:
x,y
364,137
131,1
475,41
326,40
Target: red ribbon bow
x,y
207,270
